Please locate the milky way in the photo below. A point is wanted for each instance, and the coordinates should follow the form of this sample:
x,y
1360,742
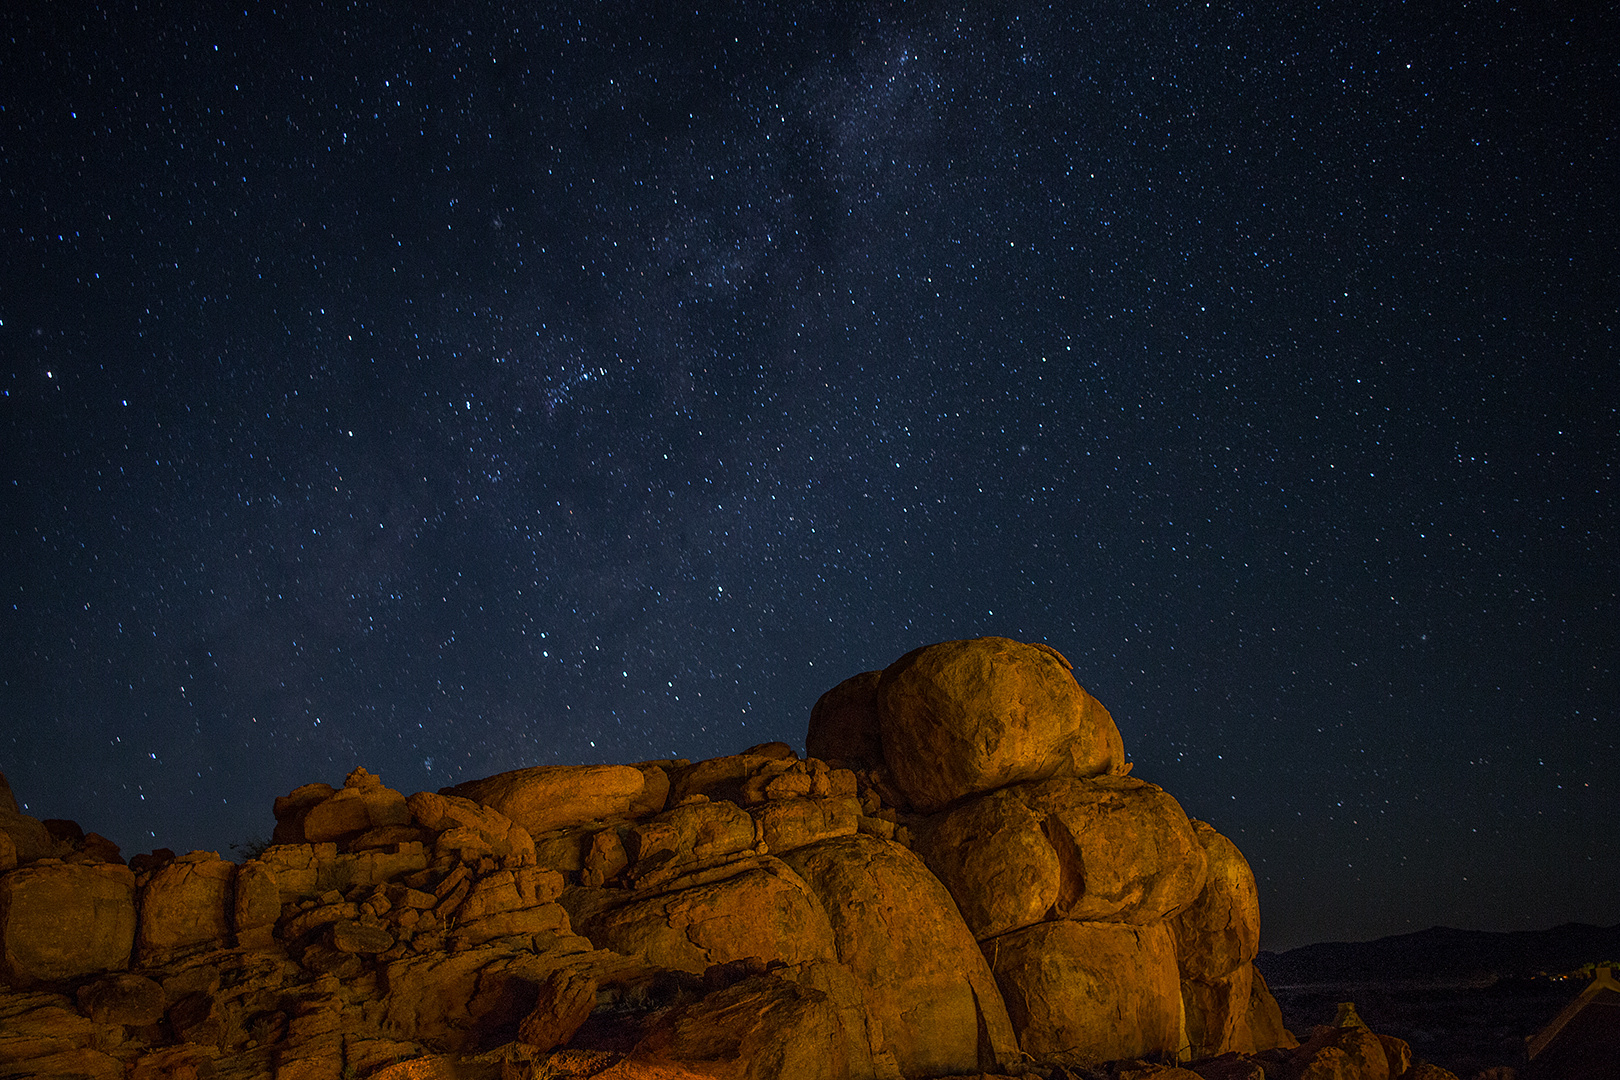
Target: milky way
x,y
450,393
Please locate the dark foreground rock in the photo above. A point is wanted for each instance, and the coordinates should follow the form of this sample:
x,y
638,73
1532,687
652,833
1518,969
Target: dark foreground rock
x,y
963,882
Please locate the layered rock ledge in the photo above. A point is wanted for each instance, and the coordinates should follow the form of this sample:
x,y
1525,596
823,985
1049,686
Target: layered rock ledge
x,y
960,880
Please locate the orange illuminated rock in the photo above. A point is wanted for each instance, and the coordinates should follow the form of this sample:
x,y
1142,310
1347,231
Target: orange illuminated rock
x,y
1340,1053
65,920
557,796
1217,938
765,911
962,717
186,906
363,804
763,1027
932,1000
1109,848
1090,992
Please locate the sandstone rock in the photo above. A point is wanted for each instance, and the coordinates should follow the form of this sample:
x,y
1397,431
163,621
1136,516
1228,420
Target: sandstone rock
x,y
565,1001
1398,1052
1264,1020
785,824
505,839
764,910
8,801
724,779
695,834
654,797
557,796
763,1028
1340,1053
844,724
123,999
1425,1071
353,936
1110,848
65,920
256,904
1091,992
1220,931
306,871
28,836
83,1064
962,717
364,803
896,928
605,860
291,809
185,906
1218,1012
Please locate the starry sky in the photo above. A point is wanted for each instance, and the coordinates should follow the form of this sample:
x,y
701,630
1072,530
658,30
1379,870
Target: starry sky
x,y
446,389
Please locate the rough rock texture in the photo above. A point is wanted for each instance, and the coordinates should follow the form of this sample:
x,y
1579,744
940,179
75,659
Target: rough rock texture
x,y
927,987
185,906
754,915
1220,930
557,796
1217,938
65,920
1111,848
762,911
1340,1053
1091,992
963,717
844,724
758,1029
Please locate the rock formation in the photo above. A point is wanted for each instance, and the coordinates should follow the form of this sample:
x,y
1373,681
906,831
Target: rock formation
x,y
960,880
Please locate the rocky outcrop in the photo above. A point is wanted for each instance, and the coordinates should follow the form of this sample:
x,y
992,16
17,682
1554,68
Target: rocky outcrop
x,y
960,879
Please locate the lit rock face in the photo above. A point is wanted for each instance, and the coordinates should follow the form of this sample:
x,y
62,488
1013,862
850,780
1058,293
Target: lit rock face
x,y
963,717
757,915
1217,939
557,796
1090,992
186,906
65,920
1111,848
764,911
926,984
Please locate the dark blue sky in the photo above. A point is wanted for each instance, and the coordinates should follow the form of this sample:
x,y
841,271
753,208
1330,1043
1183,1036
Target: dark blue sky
x,y
448,391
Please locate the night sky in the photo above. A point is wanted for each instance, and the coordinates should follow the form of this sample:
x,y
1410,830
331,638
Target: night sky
x,y
447,391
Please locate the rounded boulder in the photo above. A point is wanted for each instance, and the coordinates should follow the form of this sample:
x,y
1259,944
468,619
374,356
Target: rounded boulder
x,y
963,717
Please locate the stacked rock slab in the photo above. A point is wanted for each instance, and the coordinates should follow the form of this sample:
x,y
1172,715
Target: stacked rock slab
x,y
963,880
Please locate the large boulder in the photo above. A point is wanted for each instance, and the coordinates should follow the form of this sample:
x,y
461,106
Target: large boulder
x,y
1217,938
844,723
65,920
187,905
764,911
363,804
557,796
442,814
962,717
28,838
1088,992
932,1000
1220,931
1106,849
762,1028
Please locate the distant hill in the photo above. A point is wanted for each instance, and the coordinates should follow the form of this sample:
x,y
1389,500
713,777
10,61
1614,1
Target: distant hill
x,y
1443,954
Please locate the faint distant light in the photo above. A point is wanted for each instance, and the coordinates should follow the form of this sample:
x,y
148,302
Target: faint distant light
x,y
125,402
